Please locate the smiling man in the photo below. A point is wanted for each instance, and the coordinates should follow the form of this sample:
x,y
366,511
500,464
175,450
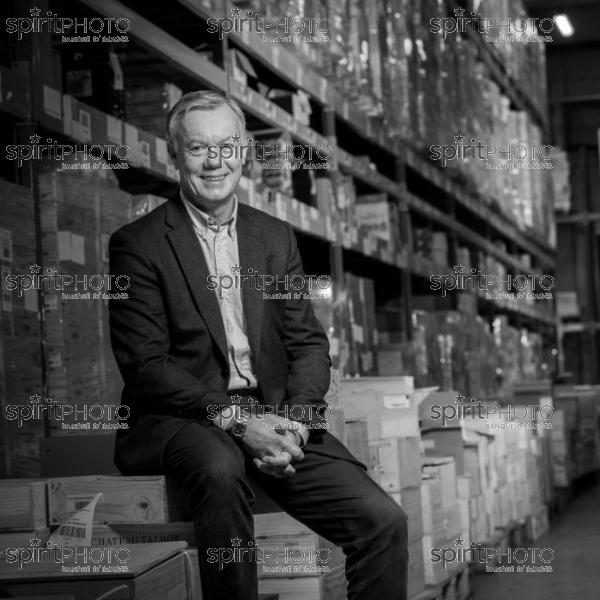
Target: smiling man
x,y
225,388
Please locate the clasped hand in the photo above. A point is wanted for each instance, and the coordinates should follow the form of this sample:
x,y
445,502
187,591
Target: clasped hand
x,y
273,444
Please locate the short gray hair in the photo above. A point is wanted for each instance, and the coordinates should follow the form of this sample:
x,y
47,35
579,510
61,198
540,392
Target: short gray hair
x,y
199,100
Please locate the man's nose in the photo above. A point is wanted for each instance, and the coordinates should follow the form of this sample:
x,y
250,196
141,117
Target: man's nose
x,y
214,160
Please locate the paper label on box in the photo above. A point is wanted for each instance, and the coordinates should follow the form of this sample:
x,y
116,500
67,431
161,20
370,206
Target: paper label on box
x,y
396,401
82,128
428,444
114,129
78,249
52,102
77,502
357,333
77,530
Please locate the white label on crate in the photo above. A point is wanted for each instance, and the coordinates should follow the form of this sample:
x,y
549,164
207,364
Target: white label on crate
x,y
396,401
76,502
52,102
78,249
82,128
428,444
114,129
77,530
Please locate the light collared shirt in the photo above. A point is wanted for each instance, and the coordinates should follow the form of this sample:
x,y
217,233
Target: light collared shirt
x,y
220,248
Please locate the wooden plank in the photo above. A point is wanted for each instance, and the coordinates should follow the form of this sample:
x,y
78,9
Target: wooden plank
x,y
148,499
22,504
169,48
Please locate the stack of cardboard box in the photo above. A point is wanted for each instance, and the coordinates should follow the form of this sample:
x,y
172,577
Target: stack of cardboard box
x,y
20,350
389,405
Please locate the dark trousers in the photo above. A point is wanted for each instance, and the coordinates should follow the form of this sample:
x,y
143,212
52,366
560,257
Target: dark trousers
x,y
332,496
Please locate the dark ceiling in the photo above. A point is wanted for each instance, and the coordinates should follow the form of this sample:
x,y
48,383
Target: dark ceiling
x,y
583,14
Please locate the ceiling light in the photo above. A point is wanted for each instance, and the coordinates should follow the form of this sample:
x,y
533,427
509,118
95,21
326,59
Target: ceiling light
x,y
564,25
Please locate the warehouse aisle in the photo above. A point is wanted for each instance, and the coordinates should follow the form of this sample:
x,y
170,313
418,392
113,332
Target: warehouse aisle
x,y
575,539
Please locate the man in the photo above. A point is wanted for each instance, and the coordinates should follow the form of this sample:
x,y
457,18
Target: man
x,y
226,387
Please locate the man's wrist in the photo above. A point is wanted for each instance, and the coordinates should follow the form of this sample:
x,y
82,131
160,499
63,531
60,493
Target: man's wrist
x,y
301,433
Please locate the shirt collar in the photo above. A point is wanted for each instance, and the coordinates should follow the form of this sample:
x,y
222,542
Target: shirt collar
x,y
203,222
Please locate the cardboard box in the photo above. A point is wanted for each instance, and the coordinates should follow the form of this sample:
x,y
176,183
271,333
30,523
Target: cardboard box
x,y
387,402
299,555
357,439
444,469
336,424
329,586
147,499
432,510
416,568
22,504
409,500
146,572
434,572
399,463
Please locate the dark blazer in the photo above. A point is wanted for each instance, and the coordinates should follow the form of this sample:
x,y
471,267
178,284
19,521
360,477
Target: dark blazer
x,y
168,336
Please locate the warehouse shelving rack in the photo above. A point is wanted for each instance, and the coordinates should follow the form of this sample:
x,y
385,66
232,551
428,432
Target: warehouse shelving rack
x,y
456,209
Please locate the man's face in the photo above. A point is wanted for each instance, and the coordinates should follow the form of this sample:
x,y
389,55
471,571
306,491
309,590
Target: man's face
x,y
206,178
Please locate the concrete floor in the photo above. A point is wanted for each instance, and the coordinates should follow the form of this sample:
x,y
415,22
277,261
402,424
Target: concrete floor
x,y
575,539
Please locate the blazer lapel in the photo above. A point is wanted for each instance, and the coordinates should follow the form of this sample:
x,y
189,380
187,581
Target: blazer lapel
x,y
189,253
252,261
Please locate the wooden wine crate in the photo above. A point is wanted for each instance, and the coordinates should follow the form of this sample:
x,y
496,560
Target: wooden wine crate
x,y
22,504
147,499
147,572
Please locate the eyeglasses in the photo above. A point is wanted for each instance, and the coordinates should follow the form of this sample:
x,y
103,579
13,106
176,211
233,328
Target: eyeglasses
x,y
214,151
